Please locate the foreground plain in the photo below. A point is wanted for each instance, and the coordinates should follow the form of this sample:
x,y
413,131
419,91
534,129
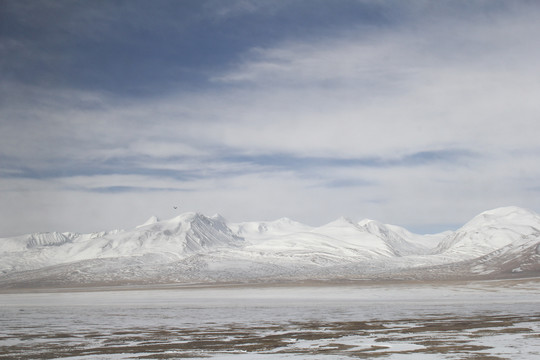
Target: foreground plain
x,y
438,320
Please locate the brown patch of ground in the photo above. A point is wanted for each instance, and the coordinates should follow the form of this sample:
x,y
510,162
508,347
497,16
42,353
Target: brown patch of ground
x,y
435,335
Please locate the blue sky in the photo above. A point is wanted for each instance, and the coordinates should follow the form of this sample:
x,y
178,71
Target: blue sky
x,y
416,113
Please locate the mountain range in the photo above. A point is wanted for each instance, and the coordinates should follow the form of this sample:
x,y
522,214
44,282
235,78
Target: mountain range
x,y
193,248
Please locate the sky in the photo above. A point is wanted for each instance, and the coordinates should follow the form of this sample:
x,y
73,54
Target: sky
x,y
415,113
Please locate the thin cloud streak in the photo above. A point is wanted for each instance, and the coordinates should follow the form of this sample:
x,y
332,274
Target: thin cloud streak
x,y
423,158
218,165
132,189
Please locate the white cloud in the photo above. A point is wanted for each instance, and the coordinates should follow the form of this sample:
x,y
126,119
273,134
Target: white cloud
x,y
450,84
474,85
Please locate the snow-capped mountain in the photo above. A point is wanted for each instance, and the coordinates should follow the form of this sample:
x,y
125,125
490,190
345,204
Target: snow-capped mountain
x,y
492,230
503,240
165,240
196,248
268,229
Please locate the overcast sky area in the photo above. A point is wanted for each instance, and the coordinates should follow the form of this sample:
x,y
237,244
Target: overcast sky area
x,y
415,113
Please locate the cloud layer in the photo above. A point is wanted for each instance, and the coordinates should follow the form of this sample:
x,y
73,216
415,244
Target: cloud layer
x,y
420,115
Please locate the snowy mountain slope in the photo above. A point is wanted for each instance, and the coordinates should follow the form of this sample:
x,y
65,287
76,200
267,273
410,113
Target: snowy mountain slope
x,y
196,248
21,243
340,240
490,231
400,240
166,240
511,259
258,231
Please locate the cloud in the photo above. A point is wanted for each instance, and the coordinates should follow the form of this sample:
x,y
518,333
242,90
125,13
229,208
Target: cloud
x,y
347,183
131,189
417,86
287,162
413,114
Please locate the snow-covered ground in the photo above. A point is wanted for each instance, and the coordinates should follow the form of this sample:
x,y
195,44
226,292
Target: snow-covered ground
x,y
489,319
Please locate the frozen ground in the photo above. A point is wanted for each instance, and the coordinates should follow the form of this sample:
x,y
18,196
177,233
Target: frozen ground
x,y
476,320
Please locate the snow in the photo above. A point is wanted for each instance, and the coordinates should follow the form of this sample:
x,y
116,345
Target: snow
x,y
259,231
194,247
493,230
152,220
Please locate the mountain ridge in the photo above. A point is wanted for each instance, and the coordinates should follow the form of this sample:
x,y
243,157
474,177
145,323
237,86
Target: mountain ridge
x,y
192,247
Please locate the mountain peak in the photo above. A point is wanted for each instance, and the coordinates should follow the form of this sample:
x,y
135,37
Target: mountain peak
x,y
503,217
366,221
192,246
218,217
341,221
189,218
507,211
374,226
151,220
492,230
